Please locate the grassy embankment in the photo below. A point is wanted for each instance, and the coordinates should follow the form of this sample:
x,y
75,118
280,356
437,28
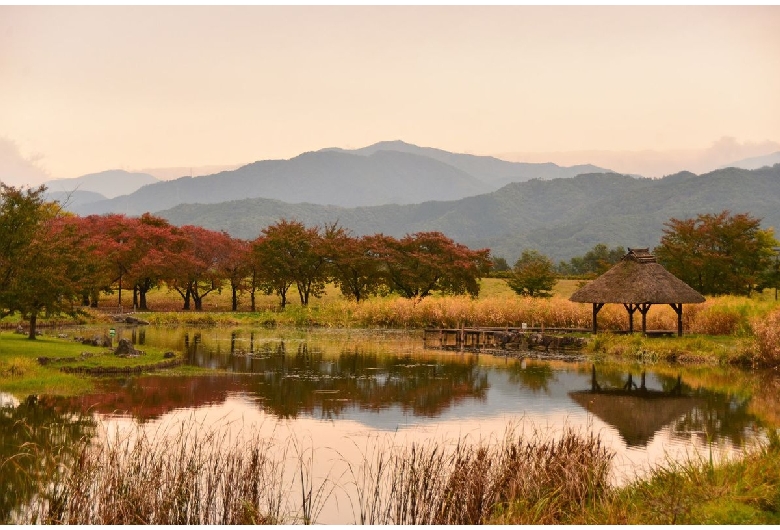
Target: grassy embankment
x,y
21,374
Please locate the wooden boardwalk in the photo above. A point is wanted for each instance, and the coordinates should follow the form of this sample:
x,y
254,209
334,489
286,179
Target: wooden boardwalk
x,y
502,338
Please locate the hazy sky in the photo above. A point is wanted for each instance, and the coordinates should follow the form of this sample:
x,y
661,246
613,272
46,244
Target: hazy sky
x,y
84,89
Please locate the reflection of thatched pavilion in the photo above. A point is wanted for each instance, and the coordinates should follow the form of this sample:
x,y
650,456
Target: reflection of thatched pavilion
x,y
637,282
636,413
637,417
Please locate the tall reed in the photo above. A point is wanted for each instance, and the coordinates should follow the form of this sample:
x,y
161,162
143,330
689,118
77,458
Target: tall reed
x,y
766,332
184,478
539,476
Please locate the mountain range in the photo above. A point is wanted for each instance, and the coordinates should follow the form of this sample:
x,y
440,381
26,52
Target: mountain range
x,y
397,188
561,218
384,173
107,184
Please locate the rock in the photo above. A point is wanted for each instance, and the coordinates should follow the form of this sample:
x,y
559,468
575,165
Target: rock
x,y
169,355
128,319
101,342
126,349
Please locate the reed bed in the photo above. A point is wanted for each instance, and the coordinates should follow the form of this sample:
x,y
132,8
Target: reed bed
x,y
766,333
188,478
497,306
210,479
536,478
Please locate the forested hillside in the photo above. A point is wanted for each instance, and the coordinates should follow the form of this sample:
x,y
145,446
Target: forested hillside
x,y
562,218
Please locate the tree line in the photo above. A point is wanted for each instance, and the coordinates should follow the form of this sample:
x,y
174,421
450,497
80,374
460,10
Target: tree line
x,y
715,254
52,262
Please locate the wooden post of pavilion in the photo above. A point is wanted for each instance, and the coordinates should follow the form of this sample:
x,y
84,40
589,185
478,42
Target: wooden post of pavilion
x,y
596,309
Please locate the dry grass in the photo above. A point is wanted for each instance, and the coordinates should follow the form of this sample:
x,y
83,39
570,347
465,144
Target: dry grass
x,y
190,478
766,332
496,306
536,478
187,478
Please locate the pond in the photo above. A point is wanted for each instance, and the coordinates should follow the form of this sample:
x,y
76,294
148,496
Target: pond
x,y
338,396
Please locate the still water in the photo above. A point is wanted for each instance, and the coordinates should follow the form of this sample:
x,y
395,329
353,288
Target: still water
x,y
338,395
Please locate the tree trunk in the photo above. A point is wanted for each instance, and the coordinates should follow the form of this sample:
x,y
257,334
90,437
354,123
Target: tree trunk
x,y
33,322
235,298
142,300
187,296
135,297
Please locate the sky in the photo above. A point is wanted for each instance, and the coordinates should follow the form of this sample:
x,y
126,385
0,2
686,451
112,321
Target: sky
x,y
86,89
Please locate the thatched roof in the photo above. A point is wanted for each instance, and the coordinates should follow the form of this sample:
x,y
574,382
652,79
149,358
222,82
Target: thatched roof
x,y
637,278
637,416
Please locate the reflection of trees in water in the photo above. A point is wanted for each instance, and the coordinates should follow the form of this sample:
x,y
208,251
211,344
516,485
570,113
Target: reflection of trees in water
x,y
303,382
36,439
723,416
291,378
295,377
533,376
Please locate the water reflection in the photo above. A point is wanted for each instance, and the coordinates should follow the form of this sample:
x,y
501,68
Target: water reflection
x,y
328,386
638,412
385,380
37,439
304,382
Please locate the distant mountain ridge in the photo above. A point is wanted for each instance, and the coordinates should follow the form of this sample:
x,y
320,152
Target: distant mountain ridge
x,y
562,218
109,184
384,173
492,170
757,162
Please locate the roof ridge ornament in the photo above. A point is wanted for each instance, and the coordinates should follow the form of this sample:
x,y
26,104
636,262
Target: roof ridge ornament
x,y
640,255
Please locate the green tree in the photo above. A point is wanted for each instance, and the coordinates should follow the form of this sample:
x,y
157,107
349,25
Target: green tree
x,y
533,275
499,264
596,261
41,269
21,214
718,253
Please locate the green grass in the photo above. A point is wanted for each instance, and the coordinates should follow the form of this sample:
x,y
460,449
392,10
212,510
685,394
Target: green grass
x,y
743,491
21,374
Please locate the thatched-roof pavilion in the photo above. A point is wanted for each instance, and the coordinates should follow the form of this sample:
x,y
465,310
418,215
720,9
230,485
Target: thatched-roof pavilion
x,y
637,282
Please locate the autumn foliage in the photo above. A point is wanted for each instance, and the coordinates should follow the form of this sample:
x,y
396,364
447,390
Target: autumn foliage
x,y
55,262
